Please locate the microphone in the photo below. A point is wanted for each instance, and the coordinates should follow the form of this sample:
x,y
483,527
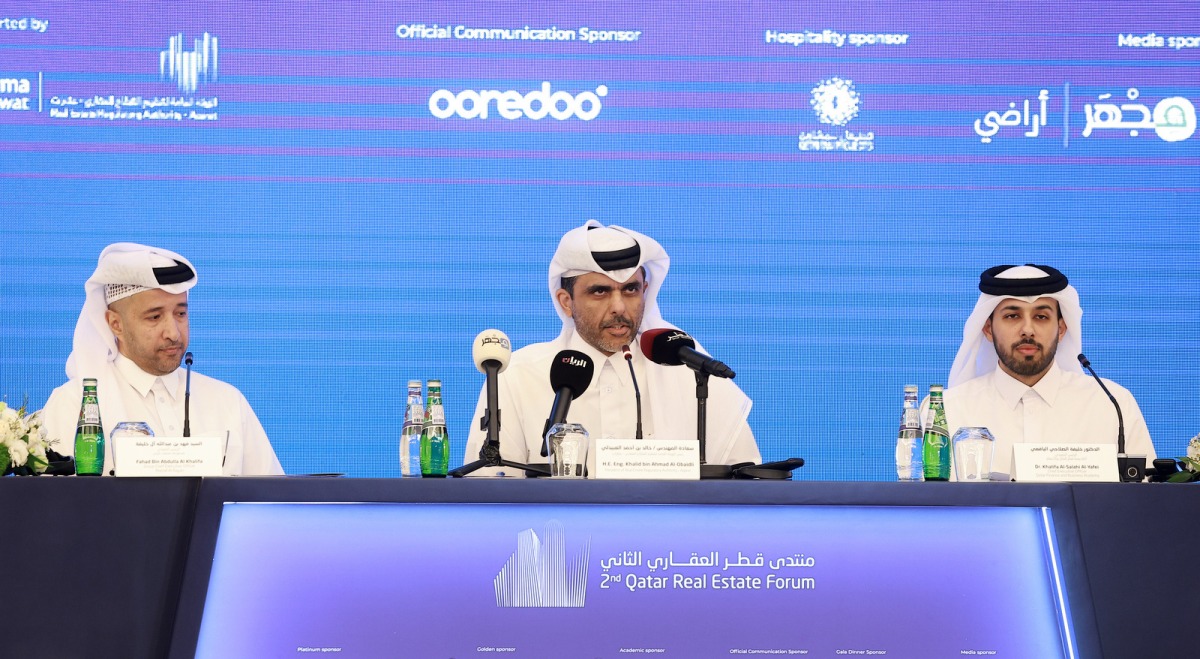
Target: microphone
x,y
672,347
491,352
1120,418
570,376
1129,472
636,392
187,395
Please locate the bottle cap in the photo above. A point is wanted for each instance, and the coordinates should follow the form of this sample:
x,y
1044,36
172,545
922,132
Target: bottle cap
x,y
414,383
910,388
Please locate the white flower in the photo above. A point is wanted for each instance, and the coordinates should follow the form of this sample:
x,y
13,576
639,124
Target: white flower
x,y
18,452
1193,449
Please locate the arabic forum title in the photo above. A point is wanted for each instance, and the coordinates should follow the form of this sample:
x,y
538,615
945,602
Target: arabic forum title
x,y
629,571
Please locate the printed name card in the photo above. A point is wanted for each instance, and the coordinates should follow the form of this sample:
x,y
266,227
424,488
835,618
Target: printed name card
x,y
167,456
1070,463
642,459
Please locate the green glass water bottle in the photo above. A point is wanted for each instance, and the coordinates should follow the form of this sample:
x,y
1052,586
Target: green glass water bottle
x,y
89,433
937,439
435,441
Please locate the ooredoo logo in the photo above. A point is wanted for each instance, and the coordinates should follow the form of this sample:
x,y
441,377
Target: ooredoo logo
x,y
537,104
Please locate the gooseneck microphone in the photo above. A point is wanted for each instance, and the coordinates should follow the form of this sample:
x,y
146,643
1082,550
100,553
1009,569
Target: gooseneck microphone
x,y
1132,469
1120,418
672,347
637,393
570,376
187,395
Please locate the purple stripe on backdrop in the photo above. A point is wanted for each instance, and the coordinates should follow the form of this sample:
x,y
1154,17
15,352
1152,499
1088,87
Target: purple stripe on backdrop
x,y
790,130
532,154
721,28
919,98
803,70
375,180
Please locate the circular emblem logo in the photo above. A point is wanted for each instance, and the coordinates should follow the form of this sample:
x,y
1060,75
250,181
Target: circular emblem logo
x,y
1174,119
835,101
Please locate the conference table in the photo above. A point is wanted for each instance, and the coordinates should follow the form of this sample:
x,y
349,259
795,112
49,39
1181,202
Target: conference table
x,y
96,567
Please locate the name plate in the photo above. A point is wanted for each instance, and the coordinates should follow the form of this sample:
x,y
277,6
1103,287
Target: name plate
x,y
1069,463
654,459
168,456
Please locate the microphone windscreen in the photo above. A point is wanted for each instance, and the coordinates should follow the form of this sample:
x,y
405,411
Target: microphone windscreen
x,y
491,345
572,370
187,357
662,345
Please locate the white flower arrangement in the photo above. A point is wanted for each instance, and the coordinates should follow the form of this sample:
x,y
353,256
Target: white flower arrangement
x,y
1190,463
23,442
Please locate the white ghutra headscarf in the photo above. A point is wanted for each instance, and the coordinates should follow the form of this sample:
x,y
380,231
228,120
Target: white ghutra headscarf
x,y
977,356
124,269
613,251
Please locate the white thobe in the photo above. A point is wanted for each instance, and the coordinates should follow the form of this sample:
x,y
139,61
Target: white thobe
x,y
1063,407
607,409
215,408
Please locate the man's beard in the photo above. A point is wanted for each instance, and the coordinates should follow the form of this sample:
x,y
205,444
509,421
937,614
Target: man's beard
x,y
604,343
1027,366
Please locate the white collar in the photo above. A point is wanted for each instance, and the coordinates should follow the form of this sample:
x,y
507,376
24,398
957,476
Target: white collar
x,y
617,359
1011,389
142,381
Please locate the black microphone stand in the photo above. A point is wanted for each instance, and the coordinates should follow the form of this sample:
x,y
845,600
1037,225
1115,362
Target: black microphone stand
x,y
1132,470
707,471
187,397
489,453
637,393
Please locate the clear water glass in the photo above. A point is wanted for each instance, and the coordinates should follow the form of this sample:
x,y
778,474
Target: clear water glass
x,y
568,444
973,448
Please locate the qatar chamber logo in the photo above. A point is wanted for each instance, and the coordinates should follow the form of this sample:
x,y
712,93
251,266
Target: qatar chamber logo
x,y
836,103
189,68
538,575
537,104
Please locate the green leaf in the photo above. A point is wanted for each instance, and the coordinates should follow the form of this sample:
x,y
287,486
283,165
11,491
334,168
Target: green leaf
x,y
1181,477
4,458
35,463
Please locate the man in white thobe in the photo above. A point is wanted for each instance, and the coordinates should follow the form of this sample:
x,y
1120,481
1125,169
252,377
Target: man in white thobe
x,y
604,283
131,337
1018,374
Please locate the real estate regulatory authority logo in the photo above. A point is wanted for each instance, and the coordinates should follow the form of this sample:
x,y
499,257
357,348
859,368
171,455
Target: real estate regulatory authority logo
x,y
189,69
836,103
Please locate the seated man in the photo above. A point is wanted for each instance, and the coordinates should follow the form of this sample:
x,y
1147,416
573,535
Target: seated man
x,y
1018,374
604,284
131,337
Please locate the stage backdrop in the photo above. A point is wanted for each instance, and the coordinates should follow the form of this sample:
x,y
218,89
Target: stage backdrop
x,y
365,186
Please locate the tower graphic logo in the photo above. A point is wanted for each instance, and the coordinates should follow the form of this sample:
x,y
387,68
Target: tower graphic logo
x,y
538,575
189,68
